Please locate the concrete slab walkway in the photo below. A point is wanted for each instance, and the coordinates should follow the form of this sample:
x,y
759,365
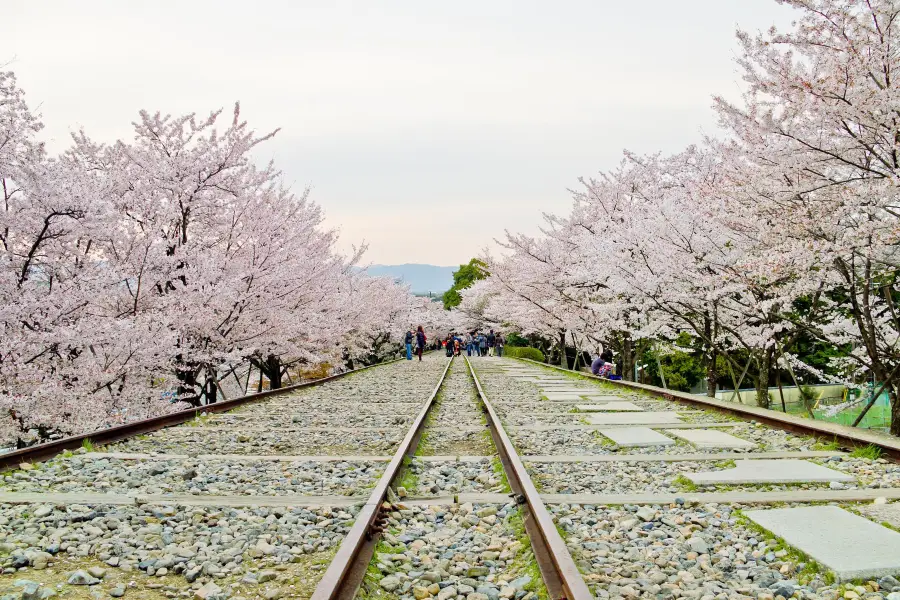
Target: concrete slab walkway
x,y
712,439
849,545
770,471
643,418
636,437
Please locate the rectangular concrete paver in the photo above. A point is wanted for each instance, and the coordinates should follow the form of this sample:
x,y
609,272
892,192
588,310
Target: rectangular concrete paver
x,y
849,545
610,407
594,397
643,418
708,438
770,471
636,437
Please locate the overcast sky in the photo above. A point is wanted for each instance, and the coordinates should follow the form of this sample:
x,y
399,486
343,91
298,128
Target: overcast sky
x,y
424,128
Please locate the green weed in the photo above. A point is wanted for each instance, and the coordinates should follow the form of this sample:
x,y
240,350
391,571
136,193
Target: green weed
x,y
685,484
872,452
831,446
497,467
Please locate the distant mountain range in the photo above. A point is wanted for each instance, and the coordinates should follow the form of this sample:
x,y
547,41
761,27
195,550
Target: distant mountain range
x,y
422,279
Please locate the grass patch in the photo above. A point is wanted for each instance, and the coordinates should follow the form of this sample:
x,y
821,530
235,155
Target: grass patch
x,y
605,442
497,467
88,445
872,452
410,479
831,446
684,484
370,587
524,563
726,464
198,421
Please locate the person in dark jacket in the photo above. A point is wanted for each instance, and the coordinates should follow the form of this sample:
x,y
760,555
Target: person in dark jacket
x,y
420,341
408,341
491,342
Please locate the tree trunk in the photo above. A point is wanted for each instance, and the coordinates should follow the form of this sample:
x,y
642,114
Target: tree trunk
x,y
712,356
562,349
712,376
781,391
211,390
627,358
764,361
895,409
273,371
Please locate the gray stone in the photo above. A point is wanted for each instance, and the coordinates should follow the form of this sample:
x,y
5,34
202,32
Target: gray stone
x,y
770,471
636,437
389,583
710,438
645,513
98,572
82,578
663,417
208,592
118,591
849,545
697,544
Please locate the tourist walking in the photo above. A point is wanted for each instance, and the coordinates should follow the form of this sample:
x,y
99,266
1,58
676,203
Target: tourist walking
x,y
468,344
491,341
482,345
420,341
409,342
499,345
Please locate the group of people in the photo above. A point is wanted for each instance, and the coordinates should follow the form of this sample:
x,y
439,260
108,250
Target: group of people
x,y
474,343
602,366
419,338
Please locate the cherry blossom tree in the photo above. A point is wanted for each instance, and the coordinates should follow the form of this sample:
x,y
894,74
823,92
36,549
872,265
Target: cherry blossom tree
x,y
134,275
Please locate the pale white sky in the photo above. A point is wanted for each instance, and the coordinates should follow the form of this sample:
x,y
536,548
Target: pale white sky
x,y
424,128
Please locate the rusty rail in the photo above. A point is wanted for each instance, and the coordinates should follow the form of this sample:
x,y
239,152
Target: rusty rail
x,y
848,436
348,567
560,574
114,434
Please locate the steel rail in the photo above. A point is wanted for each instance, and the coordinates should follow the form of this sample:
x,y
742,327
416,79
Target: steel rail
x,y
48,450
558,569
348,567
849,436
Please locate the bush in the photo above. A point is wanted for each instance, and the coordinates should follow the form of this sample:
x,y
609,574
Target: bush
x,y
532,353
514,339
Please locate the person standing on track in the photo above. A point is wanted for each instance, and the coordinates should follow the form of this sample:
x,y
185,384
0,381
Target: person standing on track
x,y
420,341
499,345
408,341
482,345
491,342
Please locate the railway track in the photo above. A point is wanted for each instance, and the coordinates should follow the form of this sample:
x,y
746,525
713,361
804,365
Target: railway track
x,y
482,479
